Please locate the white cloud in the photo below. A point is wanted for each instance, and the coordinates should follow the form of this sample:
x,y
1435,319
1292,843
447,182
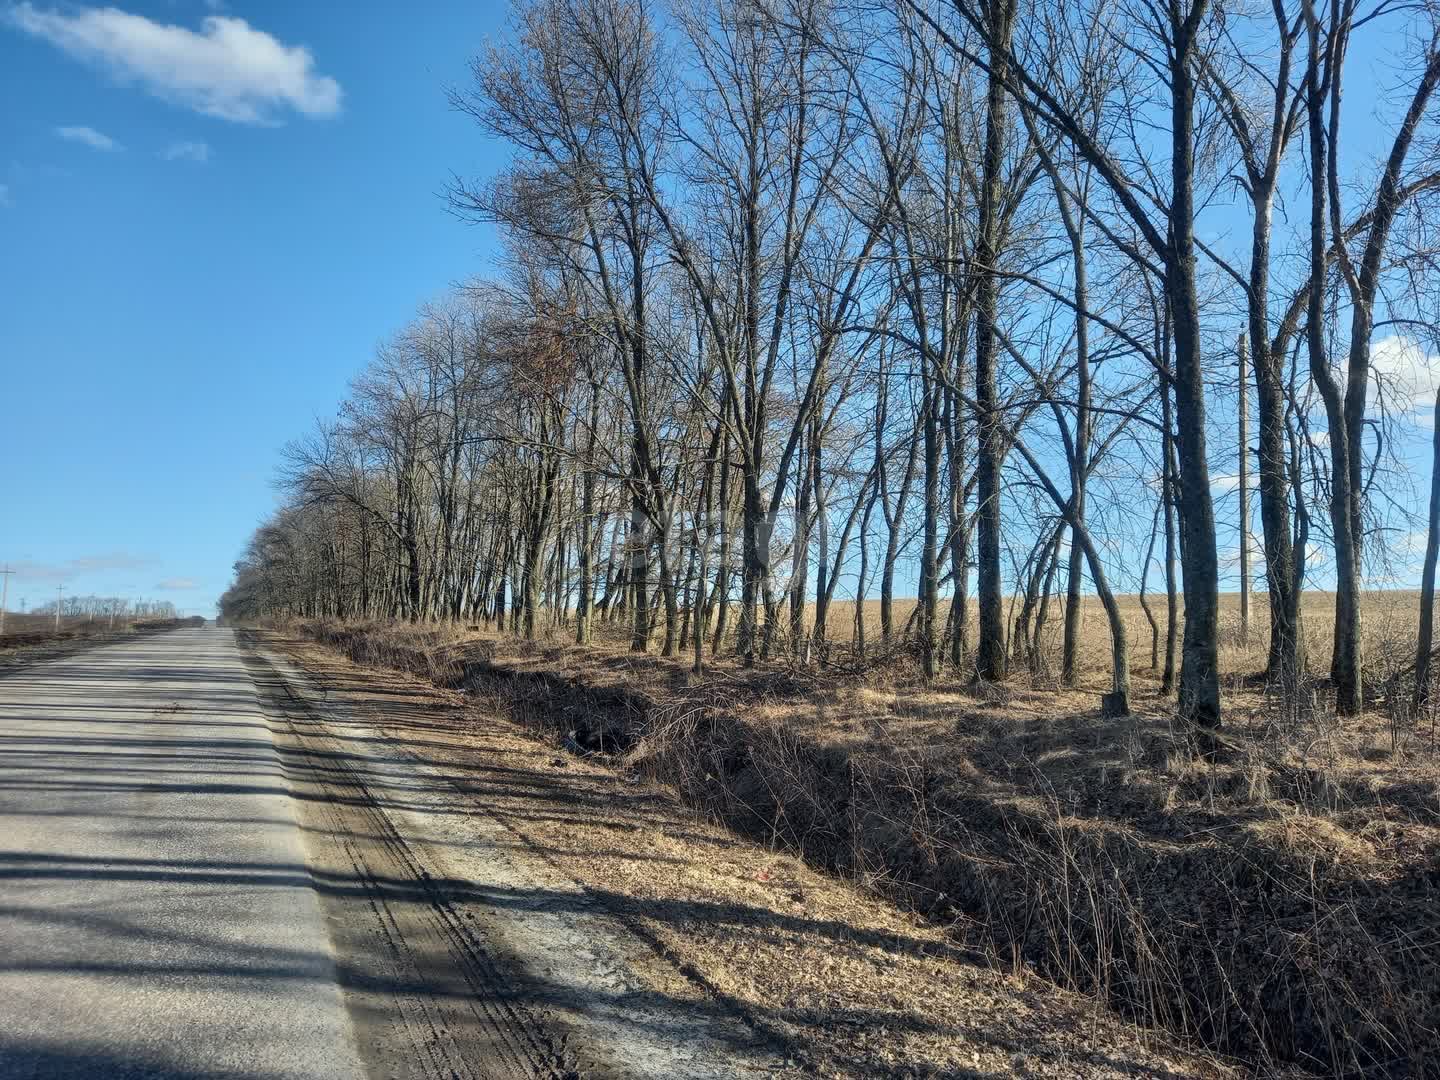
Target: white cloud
x,y
1404,372
177,584
26,570
88,136
226,69
1225,483
197,152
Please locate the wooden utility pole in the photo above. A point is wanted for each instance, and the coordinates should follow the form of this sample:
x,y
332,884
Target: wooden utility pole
x,y
59,596
4,595
1244,498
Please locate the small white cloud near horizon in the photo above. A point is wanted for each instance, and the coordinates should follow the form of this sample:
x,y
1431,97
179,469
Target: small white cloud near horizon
x,y
227,69
177,584
197,152
88,136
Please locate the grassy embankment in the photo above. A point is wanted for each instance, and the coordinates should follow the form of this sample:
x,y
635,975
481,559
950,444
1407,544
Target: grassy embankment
x,y
1280,902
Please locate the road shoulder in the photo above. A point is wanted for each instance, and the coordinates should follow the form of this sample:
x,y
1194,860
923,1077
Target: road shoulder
x,y
462,950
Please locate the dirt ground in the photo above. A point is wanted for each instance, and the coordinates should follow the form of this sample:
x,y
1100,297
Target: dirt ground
x,y
837,981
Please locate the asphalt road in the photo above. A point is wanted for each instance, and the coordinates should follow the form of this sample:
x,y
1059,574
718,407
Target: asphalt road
x,y
157,918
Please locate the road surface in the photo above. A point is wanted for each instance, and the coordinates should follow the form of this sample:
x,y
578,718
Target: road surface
x,y
207,871
156,915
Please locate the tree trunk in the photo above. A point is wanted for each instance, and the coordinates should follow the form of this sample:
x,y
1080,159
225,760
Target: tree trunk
x,y
722,558
1427,582
1199,666
1244,422
638,563
990,656
1345,654
930,555
824,583
585,601
1172,607
1080,461
752,568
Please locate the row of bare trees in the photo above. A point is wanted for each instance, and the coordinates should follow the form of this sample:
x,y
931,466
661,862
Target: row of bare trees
x,y
807,300
107,607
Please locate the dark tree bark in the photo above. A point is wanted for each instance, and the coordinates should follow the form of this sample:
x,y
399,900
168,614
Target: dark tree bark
x,y
990,653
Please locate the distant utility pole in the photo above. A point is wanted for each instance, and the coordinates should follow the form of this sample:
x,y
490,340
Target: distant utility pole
x,y
4,595
59,594
1244,501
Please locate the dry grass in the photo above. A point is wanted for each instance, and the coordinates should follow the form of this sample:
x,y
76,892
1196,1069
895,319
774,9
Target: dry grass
x,y
1389,619
851,986
34,637
18,624
1281,901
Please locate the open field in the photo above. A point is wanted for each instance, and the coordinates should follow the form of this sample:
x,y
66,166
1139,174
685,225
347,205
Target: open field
x,y
1278,902
17,623
1390,619
31,637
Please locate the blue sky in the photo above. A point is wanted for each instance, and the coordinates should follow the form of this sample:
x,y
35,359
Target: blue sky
x,y
209,216
203,234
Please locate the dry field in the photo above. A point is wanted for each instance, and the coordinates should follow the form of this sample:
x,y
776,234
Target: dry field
x,y
1390,618
1279,903
34,637
16,623
27,632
